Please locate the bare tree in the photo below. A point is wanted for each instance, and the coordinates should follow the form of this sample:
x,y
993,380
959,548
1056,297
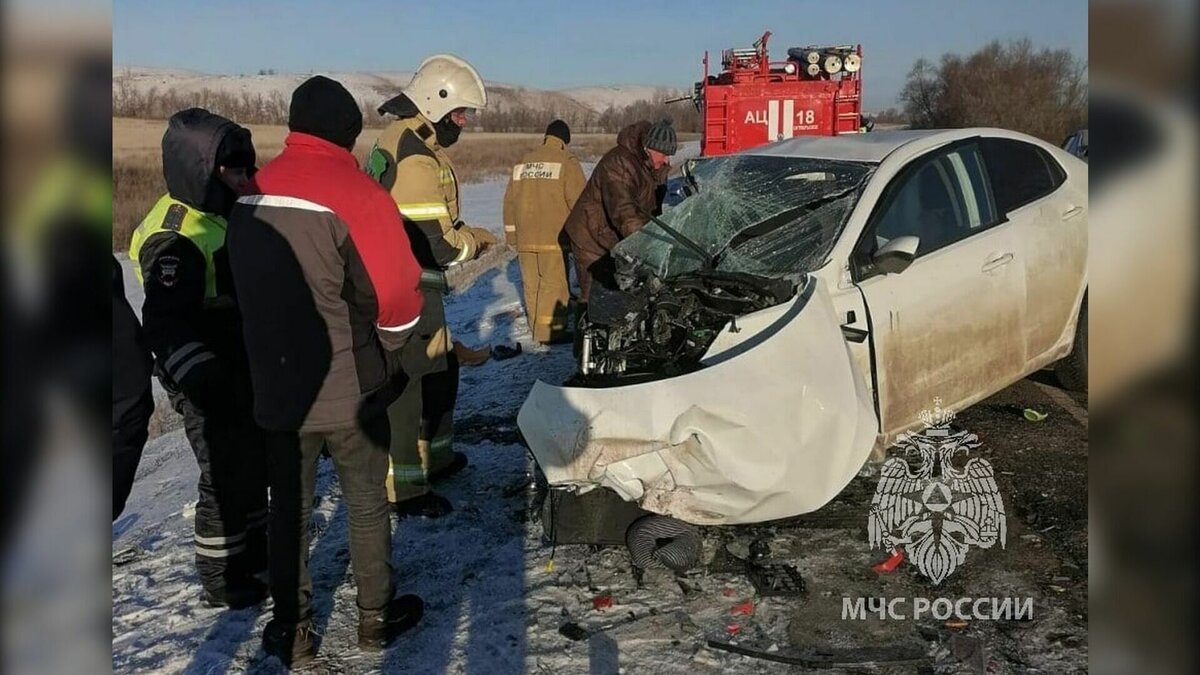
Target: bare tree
x,y
1013,86
247,108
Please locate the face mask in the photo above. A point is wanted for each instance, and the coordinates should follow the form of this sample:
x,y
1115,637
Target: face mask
x,y
447,131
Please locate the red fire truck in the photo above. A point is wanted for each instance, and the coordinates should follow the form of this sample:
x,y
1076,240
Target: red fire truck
x,y
817,91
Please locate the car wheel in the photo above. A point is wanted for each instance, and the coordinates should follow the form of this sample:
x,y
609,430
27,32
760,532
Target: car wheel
x,y
1072,370
662,541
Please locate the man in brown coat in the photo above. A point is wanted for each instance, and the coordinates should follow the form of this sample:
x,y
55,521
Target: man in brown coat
x,y
624,187
541,192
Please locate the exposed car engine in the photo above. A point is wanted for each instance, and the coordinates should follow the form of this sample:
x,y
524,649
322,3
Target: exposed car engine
x,y
664,327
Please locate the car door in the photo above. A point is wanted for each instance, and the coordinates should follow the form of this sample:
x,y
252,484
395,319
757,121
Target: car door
x,y
947,328
1049,217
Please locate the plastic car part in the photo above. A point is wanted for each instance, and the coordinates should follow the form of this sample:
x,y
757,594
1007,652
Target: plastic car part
x,y
655,541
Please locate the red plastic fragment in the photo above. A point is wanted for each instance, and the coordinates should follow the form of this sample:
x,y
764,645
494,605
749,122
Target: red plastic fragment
x,y
891,563
602,601
733,629
743,608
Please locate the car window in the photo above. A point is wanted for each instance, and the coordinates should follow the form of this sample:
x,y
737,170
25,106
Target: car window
x,y
1021,172
944,199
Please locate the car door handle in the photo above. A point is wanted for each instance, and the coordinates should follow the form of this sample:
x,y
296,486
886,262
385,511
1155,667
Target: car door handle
x,y
997,261
1071,212
853,334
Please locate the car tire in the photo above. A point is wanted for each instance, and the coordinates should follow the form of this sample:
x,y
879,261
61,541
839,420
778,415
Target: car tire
x,y
1072,370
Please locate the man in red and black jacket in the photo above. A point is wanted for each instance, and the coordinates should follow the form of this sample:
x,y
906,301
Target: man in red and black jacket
x,y
328,289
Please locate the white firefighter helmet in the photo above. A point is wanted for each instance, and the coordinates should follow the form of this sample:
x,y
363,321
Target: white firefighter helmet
x,y
443,83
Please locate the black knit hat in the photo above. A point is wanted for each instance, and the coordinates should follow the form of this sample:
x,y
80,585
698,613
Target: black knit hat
x,y
661,137
559,130
322,107
236,149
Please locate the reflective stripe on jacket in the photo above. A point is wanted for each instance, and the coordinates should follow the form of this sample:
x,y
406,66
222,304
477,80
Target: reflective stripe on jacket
x,y
327,284
410,164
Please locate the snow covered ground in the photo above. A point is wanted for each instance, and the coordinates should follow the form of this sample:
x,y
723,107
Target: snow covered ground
x,y
496,595
494,600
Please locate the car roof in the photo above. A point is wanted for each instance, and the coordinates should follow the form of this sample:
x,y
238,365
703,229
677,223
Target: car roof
x,y
874,146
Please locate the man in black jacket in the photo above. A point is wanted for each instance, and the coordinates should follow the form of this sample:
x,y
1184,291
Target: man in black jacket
x,y
194,329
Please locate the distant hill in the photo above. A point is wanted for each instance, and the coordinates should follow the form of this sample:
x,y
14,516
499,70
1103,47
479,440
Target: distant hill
x,y
619,96
373,88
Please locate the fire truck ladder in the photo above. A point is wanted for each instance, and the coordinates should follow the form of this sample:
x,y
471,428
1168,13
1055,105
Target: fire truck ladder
x,y
848,118
716,129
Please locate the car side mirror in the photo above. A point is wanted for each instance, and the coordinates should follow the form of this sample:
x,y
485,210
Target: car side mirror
x,y
896,255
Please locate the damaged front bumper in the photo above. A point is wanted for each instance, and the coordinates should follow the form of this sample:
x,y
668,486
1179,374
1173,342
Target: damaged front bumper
x,y
775,423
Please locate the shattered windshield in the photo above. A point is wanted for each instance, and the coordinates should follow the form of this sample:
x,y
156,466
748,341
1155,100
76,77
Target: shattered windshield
x,y
764,215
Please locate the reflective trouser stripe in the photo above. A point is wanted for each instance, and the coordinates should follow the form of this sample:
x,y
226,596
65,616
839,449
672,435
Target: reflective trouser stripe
x,y
554,322
441,443
439,452
409,473
219,553
406,470
182,353
196,360
185,358
220,541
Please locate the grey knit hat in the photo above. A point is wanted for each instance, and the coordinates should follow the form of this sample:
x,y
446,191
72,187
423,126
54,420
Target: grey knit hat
x,y
661,137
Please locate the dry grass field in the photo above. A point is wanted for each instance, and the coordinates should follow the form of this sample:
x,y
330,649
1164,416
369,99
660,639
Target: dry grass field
x,y
137,161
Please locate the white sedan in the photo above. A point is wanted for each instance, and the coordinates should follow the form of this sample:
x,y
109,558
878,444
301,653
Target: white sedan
x,y
802,306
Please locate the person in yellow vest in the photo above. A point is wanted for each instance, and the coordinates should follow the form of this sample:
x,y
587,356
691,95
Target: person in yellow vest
x,y
541,192
192,326
409,160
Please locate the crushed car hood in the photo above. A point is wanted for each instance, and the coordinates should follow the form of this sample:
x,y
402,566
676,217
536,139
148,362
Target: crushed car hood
x,y
776,423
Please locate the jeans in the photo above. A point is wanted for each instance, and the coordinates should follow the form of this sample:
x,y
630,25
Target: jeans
x,y
360,456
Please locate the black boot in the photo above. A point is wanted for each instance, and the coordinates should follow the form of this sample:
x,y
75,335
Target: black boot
x,y
428,505
290,643
457,464
245,594
377,628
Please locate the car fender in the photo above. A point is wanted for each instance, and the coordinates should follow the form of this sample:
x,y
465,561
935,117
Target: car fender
x,y
775,425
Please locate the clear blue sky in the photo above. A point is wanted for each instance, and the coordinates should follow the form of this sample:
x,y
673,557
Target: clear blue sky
x,y
555,45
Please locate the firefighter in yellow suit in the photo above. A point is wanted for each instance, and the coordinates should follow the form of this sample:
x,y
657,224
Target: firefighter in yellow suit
x,y
410,161
541,192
